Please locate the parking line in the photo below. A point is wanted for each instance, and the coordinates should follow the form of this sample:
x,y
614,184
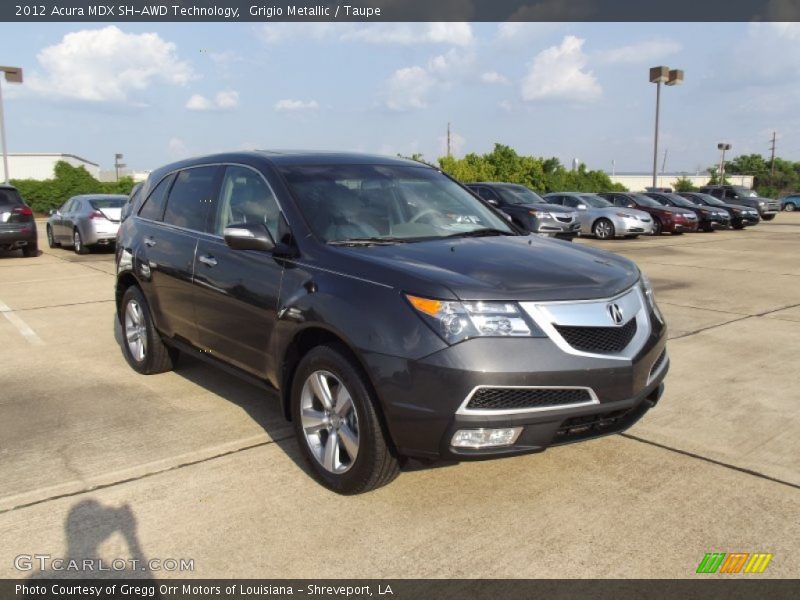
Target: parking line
x,y
24,329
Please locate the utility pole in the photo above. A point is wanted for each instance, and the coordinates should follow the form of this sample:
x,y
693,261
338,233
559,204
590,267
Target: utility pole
x,y
772,159
448,140
664,162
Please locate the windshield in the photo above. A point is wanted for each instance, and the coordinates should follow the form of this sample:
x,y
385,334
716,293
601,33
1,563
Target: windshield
x,y
681,201
709,199
744,192
101,203
646,201
518,194
595,201
391,203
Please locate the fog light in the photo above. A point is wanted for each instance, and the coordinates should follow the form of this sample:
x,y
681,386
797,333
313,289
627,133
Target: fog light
x,y
485,438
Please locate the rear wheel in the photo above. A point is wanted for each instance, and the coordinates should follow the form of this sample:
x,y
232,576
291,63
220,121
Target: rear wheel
x,y
142,346
337,426
768,217
51,240
603,229
789,207
77,243
30,250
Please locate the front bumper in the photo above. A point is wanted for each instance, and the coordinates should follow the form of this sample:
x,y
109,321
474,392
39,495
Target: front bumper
x,y
556,228
748,220
629,226
423,400
682,227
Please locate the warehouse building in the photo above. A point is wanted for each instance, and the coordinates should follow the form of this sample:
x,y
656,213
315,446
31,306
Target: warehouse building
x,y
41,166
637,182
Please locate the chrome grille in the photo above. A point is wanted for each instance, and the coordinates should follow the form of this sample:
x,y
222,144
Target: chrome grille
x,y
499,398
598,339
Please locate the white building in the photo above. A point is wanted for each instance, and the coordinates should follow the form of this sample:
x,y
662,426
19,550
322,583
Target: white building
x,y
637,182
41,166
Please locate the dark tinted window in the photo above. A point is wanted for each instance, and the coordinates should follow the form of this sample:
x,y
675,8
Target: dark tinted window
x,y
189,199
154,205
246,198
518,194
101,203
9,197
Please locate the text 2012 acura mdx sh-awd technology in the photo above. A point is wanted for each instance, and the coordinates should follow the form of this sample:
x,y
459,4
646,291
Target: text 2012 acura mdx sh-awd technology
x,y
397,314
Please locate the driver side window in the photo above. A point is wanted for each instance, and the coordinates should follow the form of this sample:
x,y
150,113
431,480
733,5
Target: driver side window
x,y
246,198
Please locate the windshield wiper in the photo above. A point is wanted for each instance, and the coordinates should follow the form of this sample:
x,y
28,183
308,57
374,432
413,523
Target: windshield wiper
x,y
369,241
480,233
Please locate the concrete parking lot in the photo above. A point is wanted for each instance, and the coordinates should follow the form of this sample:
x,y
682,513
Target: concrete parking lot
x,y
97,461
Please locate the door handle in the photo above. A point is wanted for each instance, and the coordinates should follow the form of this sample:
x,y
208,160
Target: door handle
x,y
208,260
149,242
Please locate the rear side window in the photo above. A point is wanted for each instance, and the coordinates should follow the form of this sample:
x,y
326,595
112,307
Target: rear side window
x,y
190,197
154,205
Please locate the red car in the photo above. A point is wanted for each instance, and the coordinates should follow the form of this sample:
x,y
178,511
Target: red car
x,y
666,219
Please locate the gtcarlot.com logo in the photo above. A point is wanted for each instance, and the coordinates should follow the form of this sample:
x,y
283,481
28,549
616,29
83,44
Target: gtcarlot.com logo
x,y
734,562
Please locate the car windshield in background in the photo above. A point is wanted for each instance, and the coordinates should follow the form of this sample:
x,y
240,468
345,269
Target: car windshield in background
x,y
519,194
711,200
681,201
596,201
646,201
101,203
9,198
378,203
743,191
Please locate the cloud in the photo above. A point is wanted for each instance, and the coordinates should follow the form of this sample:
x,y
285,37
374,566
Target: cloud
x,y
400,34
409,88
505,105
224,100
493,77
177,149
107,65
640,53
288,105
517,32
457,142
558,72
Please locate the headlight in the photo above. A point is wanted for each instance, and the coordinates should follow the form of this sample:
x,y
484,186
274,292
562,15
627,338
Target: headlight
x,y
760,203
650,295
540,214
458,321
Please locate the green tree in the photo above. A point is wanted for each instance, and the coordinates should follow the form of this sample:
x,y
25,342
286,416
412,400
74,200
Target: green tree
x,y
683,184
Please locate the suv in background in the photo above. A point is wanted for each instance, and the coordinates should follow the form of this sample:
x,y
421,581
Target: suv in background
x,y
790,203
395,312
528,210
666,219
738,194
17,224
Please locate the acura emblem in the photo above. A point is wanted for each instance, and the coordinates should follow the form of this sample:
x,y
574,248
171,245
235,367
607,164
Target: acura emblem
x,y
616,313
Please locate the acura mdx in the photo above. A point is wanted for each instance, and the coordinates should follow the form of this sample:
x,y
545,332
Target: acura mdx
x,y
395,313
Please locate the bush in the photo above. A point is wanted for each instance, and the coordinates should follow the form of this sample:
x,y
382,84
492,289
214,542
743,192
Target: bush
x,y
69,181
683,184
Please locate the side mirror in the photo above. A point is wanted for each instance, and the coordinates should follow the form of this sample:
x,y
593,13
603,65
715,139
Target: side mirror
x,y
52,212
246,236
492,202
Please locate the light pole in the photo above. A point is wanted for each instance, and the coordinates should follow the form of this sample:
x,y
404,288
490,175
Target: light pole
x,y
722,146
659,75
118,165
13,75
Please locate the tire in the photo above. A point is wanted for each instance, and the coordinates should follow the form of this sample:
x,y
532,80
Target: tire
x,y
603,229
137,325
657,227
368,461
708,228
51,240
739,226
30,251
789,207
768,217
77,243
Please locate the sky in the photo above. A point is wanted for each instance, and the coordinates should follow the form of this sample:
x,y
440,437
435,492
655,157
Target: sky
x,y
158,92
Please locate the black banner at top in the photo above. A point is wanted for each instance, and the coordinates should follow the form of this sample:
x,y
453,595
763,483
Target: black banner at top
x,y
399,10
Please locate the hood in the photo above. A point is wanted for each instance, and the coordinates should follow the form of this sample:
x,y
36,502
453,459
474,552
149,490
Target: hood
x,y
613,210
552,208
521,268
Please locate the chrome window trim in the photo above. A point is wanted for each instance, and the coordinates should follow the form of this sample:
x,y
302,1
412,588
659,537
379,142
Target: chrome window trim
x,y
463,410
538,312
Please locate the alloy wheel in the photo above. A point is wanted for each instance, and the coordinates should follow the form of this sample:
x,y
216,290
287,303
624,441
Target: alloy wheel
x,y
50,239
603,230
329,421
789,207
135,331
76,241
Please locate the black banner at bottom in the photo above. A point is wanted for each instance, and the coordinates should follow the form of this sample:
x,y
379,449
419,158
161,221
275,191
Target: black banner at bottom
x,y
397,589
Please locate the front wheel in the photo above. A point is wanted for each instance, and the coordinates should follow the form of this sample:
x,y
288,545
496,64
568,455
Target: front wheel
x,y
789,207
337,426
77,243
657,227
51,240
604,229
142,346
739,226
768,217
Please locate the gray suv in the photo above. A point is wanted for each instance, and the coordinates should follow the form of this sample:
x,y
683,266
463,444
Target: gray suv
x,y
738,194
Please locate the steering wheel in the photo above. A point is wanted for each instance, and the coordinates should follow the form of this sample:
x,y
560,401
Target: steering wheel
x,y
422,213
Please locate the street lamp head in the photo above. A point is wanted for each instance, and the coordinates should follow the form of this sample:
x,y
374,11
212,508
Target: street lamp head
x,y
675,77
13,74
723,146
659,74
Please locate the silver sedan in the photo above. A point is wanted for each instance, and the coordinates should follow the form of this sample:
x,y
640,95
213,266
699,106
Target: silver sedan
x,y
85,221
602,219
